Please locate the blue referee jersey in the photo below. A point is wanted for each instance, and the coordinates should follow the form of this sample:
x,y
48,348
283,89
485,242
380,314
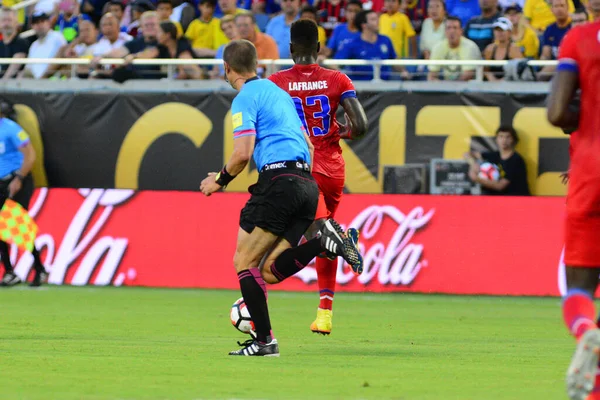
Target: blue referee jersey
x,y
262,109
12,138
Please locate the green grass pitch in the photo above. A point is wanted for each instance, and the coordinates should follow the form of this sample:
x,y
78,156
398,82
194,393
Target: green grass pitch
x,y
131,343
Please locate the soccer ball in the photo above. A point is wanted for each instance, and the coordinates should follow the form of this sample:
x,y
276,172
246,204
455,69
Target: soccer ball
x,y
240,317
489,171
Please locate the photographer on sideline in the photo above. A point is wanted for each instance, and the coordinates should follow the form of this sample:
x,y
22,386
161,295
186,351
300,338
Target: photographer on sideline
x,y
17,156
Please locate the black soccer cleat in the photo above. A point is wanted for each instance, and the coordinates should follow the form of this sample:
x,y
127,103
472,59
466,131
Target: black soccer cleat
x,y
10,279
39,279
254,348
335,241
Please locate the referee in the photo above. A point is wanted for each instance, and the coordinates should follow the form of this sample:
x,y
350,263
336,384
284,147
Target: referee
x,y
284,200
17,156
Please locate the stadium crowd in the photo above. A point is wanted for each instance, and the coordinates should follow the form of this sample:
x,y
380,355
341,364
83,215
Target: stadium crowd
x,y
348,29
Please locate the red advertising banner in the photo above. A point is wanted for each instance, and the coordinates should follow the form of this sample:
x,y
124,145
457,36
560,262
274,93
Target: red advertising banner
x,y
429,244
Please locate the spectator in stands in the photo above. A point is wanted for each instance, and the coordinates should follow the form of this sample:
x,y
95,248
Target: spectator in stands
x,y
83,44
512,166
279,27
117,9
370,45
259,9
205,32
164,9
331,13
184,13
454,47
480,29
47,45
266,48
344,33
20,13
463,9
309,12
149,25
138,7
539,14
433,30
229,7
502,49
416,11
396,26
579,17
522,35
229,28
112,37
169,46
69,19
11,46
594,12
553,36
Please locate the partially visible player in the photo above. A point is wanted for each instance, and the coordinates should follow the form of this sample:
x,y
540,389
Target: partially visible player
x,y
317,93
579,67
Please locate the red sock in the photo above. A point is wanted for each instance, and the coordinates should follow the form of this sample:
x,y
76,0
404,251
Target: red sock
x,y
578,313
326,272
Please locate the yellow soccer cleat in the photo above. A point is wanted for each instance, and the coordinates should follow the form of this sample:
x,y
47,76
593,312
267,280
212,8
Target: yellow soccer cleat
x,y
322,324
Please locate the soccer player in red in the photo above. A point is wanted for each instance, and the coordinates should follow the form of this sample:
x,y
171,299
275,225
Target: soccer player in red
x,y
317,93
579,68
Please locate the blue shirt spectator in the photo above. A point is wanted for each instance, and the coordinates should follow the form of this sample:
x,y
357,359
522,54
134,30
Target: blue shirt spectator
x,y
279,27
480,29
553,35
359,49
463,9
70,27
340,37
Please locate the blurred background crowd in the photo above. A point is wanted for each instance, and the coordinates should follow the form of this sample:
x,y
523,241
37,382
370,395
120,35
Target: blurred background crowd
x,y
348,29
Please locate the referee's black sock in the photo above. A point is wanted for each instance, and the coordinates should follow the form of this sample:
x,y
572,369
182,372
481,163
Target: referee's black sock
x,y
256,301
293,260
4,253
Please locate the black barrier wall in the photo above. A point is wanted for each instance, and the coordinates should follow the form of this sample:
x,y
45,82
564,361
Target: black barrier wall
x,y
171,141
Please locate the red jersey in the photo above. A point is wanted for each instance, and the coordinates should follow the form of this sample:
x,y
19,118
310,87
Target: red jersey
x,y
317,93
580,52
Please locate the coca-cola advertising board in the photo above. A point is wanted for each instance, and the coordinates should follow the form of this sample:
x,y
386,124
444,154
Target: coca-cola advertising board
x,y
427,244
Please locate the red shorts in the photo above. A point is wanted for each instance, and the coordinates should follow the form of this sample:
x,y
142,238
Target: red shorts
x,y
330,194
582,236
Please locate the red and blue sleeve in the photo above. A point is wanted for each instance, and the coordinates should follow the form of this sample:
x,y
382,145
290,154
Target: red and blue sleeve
x,y
568,57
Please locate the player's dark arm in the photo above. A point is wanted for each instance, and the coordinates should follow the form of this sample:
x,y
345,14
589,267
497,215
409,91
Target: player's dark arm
x,y
564,86
243,147
358,123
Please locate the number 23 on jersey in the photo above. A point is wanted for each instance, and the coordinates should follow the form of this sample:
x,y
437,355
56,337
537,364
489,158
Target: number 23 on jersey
x,y
322,114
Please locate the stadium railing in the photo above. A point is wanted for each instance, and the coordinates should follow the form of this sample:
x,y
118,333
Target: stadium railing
x,y
272,65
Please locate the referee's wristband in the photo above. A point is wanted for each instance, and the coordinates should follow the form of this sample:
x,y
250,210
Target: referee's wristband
x,y
20,177
223,178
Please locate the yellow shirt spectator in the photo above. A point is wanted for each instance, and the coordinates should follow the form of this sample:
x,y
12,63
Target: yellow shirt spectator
x,y
399,29
529,43
206,35
540,15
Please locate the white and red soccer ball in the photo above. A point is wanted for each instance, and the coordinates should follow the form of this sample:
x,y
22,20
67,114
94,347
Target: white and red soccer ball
x,y
240,317
489,171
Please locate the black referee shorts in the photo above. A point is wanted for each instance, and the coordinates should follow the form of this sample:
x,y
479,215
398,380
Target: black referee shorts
x,y
23,196
283,202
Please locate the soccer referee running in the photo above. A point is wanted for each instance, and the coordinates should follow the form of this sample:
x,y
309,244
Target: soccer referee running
x,y
284,200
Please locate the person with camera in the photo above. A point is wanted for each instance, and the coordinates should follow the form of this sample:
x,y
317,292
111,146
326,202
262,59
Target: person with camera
x,y
17,156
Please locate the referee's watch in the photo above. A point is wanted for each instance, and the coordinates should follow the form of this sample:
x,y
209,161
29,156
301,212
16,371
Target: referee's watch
x,y
20,177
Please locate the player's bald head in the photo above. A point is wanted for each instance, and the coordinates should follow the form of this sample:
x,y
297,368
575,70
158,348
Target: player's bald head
x,y
304,35
241,56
